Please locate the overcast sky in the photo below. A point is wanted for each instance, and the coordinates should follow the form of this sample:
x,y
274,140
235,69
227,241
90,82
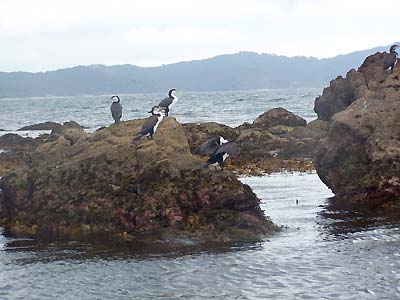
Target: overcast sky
x,y
40,35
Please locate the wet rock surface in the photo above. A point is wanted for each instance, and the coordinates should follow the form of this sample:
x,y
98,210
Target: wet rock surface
x,y
360,158
71,183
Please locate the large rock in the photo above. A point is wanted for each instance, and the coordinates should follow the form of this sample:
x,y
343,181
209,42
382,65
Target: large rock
x,y
12,141
278,116
360,160
75,183
340,94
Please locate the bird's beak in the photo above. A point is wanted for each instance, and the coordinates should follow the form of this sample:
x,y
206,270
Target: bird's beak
x,y
149,111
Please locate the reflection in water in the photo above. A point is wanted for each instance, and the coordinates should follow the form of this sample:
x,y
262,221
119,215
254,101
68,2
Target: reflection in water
x,y
340,220
320,254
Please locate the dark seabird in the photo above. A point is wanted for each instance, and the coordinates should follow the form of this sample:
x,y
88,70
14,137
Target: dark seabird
x,y
151,124
218,149
116,109
390,58
168,102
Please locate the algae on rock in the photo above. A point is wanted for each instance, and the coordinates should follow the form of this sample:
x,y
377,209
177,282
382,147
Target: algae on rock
x,y
74,183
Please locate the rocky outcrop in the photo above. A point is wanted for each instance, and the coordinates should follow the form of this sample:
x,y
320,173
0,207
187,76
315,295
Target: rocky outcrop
x,y
360,158
276,140
41,126
278,116
74,183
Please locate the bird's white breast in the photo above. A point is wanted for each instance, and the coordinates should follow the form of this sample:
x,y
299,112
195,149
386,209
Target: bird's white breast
x,y
158,123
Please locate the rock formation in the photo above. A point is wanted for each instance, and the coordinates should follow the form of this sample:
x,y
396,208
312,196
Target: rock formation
x,y
276,140
360,158
41,126
70,183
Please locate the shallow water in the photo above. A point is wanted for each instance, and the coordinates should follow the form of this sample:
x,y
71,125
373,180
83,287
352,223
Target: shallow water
x,y
231,108
316,256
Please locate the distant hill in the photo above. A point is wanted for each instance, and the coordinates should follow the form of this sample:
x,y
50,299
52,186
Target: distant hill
x,y
244,70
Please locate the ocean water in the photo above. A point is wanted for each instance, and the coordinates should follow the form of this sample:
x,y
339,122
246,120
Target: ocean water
x,y
231,108
323,252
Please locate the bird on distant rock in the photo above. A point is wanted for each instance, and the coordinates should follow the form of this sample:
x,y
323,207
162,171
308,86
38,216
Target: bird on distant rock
x,y
168,102
390,58
219,149
151,124
116,109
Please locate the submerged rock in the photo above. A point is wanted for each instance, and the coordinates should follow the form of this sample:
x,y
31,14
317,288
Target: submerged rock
x,y
41,126
75,183
360,158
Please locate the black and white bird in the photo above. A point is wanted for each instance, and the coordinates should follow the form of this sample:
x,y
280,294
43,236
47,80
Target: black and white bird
x,y
151,124
116,109
390,59
219,149
169,101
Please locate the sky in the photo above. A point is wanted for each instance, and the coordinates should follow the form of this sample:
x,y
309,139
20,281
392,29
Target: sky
x,y
42,35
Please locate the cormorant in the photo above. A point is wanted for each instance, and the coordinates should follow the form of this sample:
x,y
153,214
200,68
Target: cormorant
x,y
151,124
116,109
168,102
390,58
219,149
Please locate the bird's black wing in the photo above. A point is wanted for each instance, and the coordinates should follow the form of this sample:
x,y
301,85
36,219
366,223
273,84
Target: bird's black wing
x,y
148,125
388,60
116,110
209,146
230,148
166,102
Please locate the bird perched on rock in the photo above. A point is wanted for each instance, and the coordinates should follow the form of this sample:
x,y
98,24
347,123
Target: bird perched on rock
x,y
116,109
151,124
390,58
219,149
169,101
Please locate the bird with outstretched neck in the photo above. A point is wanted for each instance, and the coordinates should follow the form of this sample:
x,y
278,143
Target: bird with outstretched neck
x,y
116,109
168,102
151,124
